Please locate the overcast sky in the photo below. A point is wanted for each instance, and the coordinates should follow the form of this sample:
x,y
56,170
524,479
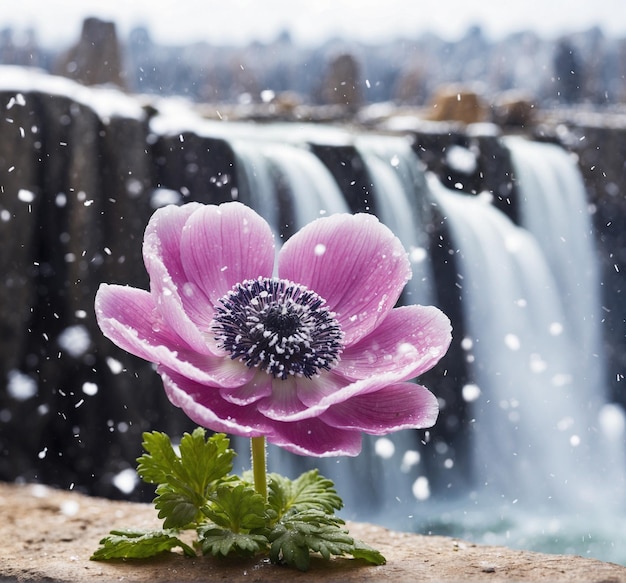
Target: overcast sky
x,y
239,21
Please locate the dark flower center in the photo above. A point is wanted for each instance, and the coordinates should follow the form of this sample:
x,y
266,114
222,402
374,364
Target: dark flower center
x,y
278,326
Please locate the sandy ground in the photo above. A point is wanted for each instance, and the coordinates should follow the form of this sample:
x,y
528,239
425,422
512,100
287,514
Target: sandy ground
x,y
49,535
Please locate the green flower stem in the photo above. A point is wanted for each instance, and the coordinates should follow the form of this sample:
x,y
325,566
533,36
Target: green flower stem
x,y
259,469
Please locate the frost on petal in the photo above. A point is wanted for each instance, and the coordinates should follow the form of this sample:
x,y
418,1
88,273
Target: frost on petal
x,y
126,316
315,438
407,343
360,274
224,245
205,406
395,407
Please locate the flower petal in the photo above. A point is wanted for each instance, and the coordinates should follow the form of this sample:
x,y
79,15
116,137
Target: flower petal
x,y
407,343
354,262
204,405
224,245
129,318
316,438
283,403
181,304
312,397
398,406
259,387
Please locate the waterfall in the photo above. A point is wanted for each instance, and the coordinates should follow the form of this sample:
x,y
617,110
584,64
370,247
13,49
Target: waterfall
x,y
545,442
553,207
269,167
531,422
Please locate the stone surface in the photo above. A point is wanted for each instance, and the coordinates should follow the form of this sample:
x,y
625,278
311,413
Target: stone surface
x,y
50,534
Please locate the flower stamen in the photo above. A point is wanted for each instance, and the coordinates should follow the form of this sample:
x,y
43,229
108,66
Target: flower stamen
x,y
278,326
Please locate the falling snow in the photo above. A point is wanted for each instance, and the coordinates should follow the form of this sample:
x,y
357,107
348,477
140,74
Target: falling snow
x,y
26,195
126,480
90,389
421,488
461,159
115,366
75,340
470,392
21,386
384,447
164,196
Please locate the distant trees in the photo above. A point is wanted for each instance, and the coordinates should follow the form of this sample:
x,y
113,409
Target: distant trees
x,y
568,74
578,68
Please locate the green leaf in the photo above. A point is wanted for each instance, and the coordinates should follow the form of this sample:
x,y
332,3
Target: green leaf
x,y
223,542
201,461
177,510
194,488
309,491
185,481
129,544
160,460
302,532
367,553
238,508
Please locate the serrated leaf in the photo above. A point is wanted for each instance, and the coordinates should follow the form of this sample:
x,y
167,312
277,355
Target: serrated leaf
x,y
201,461
157,464
204,461
238,508
129,544
309,491
217,541
288,546
302,532
177,510
185,481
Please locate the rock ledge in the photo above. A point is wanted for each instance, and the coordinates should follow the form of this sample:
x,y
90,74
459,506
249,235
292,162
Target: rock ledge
x,y
49,534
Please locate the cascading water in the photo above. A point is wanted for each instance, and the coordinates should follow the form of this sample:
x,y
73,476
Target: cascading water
x,y
547,454
268,165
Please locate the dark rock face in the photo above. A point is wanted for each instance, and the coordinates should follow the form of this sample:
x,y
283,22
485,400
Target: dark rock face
x,y
75,203
78,186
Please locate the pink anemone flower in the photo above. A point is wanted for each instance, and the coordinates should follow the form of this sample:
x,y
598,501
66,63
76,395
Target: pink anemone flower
x,y
303,347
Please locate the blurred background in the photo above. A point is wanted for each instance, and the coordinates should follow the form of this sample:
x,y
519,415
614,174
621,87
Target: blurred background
x,y
400,51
